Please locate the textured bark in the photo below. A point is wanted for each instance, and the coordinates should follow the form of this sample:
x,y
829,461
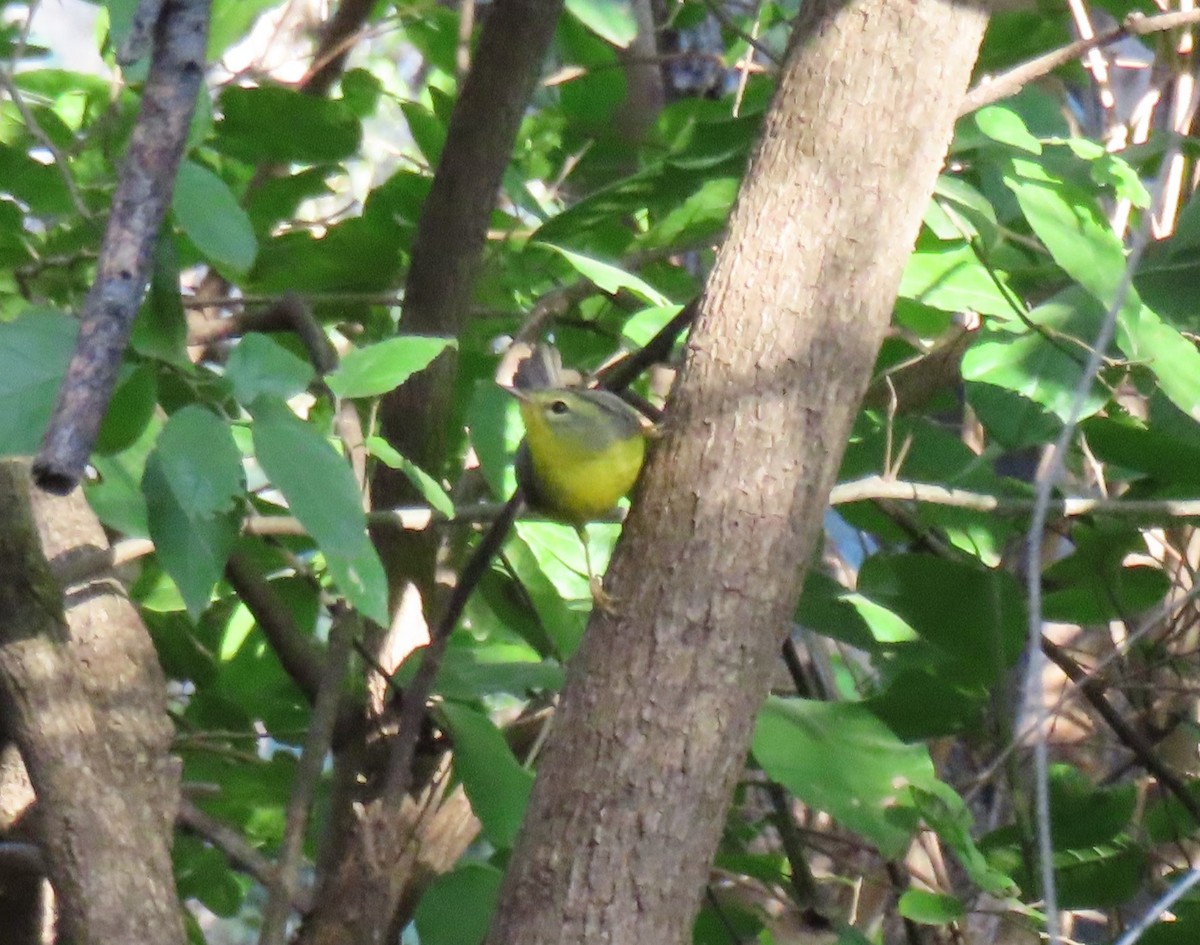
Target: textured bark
x,y
658,709
85,701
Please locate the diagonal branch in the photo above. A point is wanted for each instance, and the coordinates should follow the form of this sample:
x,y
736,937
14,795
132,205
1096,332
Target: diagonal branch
x,y
1011,82
1093,691
143,195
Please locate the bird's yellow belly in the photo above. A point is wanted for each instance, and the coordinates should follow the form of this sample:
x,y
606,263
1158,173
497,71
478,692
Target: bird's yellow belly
x,y
580,490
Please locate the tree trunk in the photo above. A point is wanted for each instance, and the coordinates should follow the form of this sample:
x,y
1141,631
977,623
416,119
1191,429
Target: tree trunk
x,y
85,702
657,713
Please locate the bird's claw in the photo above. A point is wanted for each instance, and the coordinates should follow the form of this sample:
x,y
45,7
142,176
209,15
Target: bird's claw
x,y
601,598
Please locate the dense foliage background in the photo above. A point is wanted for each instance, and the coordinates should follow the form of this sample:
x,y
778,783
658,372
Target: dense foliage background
x,y
894,761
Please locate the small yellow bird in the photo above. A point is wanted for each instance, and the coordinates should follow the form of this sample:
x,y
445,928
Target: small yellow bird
x,y
583,450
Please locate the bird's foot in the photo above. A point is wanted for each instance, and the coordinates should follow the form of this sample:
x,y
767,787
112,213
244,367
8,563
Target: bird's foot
x,y
601,598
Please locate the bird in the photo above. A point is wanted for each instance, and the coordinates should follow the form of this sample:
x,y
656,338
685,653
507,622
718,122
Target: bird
x,y
583,450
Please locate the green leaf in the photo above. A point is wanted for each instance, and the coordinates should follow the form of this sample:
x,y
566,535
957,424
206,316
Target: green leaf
x,y
1068,221
272,124
208,212
494,667
700,217
321,492
1101,877
839,758
1149,450
116,496
1175,361
640,327
959,211
160,329
430,489
129,411
1039,371
532,555
927,698
457,907
202,873
379,368
1103,593
1005,126
949,276
930,908
1167,820
427,130
833,611
34,351
608,277
37,185
496,784
361,91
257,365
1184,929
943,811
190,483
611,20
974,614
1084,815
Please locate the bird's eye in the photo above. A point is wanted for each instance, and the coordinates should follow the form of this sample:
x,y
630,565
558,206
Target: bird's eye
x,y
559,407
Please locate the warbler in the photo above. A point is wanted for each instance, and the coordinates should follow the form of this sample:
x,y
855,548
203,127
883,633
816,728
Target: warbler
x,y
583,450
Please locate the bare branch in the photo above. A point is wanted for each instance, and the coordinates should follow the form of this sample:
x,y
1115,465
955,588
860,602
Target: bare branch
x,y
1009,83
143,195
240,853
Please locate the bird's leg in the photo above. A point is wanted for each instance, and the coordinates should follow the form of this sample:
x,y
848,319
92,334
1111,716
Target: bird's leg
x,y
600,597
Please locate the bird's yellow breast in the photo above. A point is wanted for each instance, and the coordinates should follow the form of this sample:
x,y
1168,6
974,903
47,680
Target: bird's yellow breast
x,y
578,487
584,450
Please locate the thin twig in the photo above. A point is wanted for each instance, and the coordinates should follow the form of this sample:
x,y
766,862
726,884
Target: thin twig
x,y
1010,83
899,878
94,562
308,775
58,159
1161,905
7,83
1093,691
867,489
804,886
412,708
618,376
719,14
875,488
230,842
